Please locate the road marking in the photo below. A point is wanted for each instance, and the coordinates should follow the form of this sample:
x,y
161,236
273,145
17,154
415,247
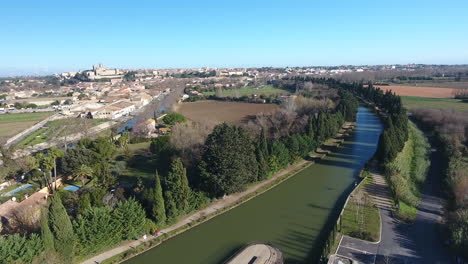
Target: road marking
x,y
339,244
355,249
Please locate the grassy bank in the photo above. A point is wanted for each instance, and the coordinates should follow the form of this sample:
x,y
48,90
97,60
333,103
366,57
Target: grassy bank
x,y
407,173
360,217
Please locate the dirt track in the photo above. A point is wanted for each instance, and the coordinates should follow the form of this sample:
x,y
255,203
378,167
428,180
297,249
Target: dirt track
x,y
420,91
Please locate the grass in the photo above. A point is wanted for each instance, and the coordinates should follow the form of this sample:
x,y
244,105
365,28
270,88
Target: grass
x,y
140,162
441,103
47,132
408,172
360,217
249,90
11,124
406,212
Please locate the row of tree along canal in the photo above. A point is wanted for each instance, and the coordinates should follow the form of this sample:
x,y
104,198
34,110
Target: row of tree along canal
x,y
295,216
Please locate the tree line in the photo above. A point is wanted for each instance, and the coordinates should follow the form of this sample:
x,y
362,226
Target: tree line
x,y
451,130
394,116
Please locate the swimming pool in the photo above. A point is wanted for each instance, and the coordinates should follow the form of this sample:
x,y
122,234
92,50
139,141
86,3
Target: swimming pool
x,y
72,188
18,189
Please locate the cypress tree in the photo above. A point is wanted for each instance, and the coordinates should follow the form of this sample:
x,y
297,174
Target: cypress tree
x,y
62,229
46,234
184,190
171,207
158,209
177,184
262,155
311,134
263,144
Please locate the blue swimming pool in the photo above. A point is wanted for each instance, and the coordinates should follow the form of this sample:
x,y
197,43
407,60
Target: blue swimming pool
x,y
72,188
18,189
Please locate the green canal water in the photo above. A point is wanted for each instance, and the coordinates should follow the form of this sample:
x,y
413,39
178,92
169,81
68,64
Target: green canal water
x,y
295,216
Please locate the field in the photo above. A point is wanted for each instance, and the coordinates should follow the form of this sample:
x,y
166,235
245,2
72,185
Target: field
x,y
438,84
11,124
218,112
263,90
47,131
436,103
421,91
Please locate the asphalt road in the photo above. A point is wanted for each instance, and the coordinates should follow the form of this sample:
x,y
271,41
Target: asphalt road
x,y
403,243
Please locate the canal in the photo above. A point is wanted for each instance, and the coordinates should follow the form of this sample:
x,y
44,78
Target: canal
x,y
294,216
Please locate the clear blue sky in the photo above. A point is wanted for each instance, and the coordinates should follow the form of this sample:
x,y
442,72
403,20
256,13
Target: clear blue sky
x,y
39,36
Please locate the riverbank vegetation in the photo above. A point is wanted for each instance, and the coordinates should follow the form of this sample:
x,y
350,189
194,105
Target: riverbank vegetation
x,y
451,129
407,173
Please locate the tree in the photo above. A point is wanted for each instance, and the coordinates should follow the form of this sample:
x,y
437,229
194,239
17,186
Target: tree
x,y
129,76
96,229
173,118
105,178
279,157
163,151
54,154
62,229
46,163
75,157
124,139
20,249
229,161
171,207
83,173
46,234
104,147
155,201
262,155
132,218
176,184
182,192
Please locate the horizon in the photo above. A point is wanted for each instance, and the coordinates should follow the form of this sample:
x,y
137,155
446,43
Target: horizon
x,y
45,74
54,37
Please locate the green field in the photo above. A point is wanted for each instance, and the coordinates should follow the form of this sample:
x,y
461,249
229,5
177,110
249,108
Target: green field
x,y
262,90
11,124
441,103
47,132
